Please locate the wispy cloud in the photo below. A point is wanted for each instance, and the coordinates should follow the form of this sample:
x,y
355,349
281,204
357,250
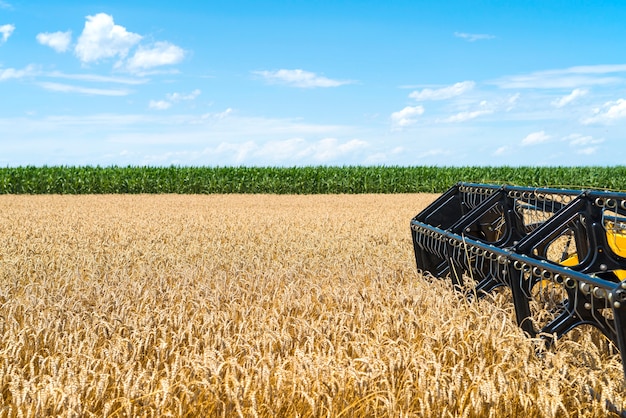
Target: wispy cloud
x,y
177,97
609,112
95,78
66,88
442,93
299,78
565,100
59,41
283,152
321,151
536,138
501,151
6,31
102,38
159,104
573,77
405,117
465,116
587,151
173,98
578,140
512,101
9,73
472,37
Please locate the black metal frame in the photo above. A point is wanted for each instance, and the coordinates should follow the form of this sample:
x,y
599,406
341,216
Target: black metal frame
x,y
501,236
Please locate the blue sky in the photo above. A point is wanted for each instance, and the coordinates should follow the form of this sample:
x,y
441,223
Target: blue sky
x,y
291,83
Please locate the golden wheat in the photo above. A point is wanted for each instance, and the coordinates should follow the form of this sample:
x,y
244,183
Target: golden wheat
x,y
260,306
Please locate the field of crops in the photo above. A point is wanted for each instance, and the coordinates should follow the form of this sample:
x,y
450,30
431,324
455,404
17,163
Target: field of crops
x,y
261,305
294,180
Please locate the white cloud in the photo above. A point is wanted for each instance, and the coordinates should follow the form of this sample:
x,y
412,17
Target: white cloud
x,y
173,98
159,104
5,5
443,93
512,101
587,151
299,78
66,88
471,37
224,114
323,150
102,38
609,112
9,73
241,151
576,140
573,77
59,41
565,100
161,53
406,116
289,151
177,97
330,148
95,78
464,116
535,138
432,153
501,151
6,31
596,69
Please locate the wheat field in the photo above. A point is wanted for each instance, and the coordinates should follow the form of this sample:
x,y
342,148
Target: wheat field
x,y
261,306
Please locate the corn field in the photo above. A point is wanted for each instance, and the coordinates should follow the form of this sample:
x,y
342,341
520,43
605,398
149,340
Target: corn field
x,y
294,180
262,306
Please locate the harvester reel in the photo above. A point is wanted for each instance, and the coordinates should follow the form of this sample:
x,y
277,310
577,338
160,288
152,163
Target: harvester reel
x,y
560,252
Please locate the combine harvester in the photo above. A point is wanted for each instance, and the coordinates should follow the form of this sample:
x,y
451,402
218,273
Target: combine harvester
x,y
562,253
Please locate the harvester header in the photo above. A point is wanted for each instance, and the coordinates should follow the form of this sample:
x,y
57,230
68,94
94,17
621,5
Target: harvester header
x,y
561,252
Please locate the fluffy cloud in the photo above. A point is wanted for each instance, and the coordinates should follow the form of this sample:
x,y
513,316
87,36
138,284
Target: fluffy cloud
x,y
406,116
299,78
6,31
471,37
443,93
535,138
59,41
565,100
161,53
609,112
102,38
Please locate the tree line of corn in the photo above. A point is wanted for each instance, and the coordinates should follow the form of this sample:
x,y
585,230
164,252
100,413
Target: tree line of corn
x,y
293,180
